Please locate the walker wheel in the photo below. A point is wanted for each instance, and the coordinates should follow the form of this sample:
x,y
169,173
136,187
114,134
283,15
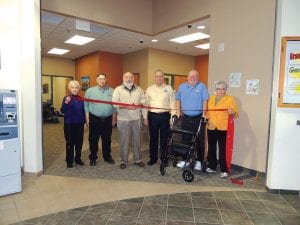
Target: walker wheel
x,y
188,176
162,169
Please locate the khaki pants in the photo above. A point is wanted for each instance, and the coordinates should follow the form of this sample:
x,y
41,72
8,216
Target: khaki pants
x,y
130,131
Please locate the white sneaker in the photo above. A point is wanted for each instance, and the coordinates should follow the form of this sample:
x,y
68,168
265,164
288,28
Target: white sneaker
x,y
198,165
224,175
182,163
209,170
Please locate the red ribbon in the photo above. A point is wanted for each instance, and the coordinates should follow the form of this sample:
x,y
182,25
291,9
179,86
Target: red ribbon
x,y
135,105
236,181
229,142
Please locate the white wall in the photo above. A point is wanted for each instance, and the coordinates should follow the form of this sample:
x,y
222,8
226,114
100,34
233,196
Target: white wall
x,y
21,70
9,45
284,152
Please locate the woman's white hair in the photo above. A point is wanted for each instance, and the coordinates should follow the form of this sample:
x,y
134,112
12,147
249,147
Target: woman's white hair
x,y
221,83
74,82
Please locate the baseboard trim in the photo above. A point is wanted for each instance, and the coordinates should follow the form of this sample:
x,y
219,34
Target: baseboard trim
x,y
30,174
282,191
261,174
250,171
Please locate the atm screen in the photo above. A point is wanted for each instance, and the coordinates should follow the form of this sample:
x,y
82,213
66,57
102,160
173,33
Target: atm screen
x,y
9,100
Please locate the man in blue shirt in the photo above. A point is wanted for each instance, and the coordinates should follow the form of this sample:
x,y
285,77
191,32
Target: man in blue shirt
x,y
191,101
100,118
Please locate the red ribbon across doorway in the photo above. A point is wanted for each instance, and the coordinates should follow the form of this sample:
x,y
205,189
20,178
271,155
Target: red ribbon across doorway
x,y
135,105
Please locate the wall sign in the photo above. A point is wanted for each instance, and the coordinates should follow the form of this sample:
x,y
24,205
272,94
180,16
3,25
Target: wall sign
x,y
289,80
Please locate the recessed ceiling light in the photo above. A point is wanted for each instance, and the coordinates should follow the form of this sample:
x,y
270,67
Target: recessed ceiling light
x,y
154,40
203,46
58,51
79,40
190,37
201,27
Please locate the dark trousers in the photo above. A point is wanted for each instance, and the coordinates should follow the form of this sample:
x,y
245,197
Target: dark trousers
x,y
217,137
158,127
74,139
191,123
100,127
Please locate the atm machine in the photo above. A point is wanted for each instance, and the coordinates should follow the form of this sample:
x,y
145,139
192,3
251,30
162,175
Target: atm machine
x,y
10,156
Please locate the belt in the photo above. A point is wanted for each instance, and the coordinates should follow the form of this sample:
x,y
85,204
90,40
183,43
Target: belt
x,y
192,116
159,113
101,117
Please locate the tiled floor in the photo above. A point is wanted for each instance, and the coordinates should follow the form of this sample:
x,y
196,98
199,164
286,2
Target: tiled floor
x,y
223,207
106,195
51,194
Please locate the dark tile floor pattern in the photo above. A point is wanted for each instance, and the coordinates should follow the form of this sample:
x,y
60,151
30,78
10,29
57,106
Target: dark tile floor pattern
x,y
196,208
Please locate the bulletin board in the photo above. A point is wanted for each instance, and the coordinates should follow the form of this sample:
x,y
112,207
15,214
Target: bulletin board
x,y
289,79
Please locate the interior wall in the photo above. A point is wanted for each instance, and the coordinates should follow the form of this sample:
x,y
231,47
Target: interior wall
x,y
112,65
245,52
10,74
90,65
138,62
58,66
178,12
46,91
59,88
20,69
201,65
169,62
87,66
284,154
133,15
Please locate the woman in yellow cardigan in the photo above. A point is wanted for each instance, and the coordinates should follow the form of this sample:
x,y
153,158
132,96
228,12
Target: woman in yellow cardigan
x,y
217,126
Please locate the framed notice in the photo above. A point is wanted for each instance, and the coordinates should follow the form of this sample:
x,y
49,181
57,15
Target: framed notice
x,y
85,83
289,80
168,79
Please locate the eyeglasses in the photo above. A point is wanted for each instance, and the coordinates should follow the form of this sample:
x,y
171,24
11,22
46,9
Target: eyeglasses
x,y
220,89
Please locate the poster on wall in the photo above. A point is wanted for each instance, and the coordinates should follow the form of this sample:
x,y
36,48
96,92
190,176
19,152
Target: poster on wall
x,y
45,88
252,87
289,94
85,83
235,79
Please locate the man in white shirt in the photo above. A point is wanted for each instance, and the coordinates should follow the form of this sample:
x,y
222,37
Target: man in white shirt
x,y
161,97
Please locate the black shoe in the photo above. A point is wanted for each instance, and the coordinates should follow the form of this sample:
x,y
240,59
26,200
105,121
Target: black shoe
x,y
151,162
122,165
110,161
79,162
69,165
92,163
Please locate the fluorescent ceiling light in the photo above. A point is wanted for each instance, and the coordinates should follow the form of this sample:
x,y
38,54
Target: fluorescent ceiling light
x,y
203,46
58,51
190,37
154,40
201,27
79,40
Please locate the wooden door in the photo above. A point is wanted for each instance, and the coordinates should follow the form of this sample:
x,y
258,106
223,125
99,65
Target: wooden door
x,y
179,80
